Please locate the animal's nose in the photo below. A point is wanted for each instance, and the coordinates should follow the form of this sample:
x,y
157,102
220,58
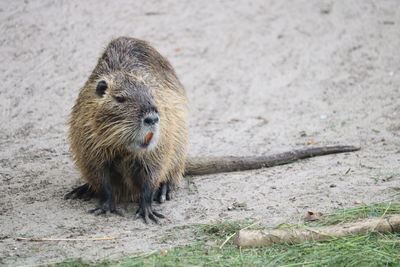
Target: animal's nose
x,y
151,119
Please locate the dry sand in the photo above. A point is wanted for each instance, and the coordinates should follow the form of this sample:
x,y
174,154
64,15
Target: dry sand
x,y
262,77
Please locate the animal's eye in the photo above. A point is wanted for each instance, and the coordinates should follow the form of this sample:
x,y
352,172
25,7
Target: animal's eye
x,y
101,88
120,99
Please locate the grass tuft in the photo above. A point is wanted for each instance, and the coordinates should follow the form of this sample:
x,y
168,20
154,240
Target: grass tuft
x,y
373,249
353,214
220,230
365,250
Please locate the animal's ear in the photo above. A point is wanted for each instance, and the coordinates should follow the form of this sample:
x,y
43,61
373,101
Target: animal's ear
x,y
101,88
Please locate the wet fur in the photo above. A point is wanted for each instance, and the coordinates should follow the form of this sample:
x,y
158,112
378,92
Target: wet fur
x,y
100,127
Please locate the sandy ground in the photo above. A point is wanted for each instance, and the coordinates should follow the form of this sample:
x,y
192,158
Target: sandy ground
x,y
262,77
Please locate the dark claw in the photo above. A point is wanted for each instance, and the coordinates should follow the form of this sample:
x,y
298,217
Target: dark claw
x,y
153,218
83,192
147,213
170,194
107,206
101,210
159,215
97,211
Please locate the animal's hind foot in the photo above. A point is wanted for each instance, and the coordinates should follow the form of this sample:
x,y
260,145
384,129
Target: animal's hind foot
x,y
164,192
84,192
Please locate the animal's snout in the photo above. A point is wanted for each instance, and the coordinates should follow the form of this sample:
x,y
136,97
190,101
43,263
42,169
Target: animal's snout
x,y
151,119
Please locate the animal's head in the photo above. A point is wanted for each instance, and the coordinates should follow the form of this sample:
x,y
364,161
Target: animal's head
x,y
126,113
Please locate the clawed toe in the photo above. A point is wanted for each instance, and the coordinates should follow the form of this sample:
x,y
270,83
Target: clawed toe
x,y
97,211
148,213
104,208
83,192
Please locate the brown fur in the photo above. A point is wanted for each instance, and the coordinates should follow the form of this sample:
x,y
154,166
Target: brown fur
x,y
99,126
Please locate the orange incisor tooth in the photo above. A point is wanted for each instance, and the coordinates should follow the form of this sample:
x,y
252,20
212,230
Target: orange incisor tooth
x,y
148,138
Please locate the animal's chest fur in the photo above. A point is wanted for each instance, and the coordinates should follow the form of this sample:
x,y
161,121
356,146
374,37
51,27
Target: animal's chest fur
x,y
128,174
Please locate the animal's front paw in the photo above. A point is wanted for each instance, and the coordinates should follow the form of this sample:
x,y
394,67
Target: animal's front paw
x,y
147,212
106,206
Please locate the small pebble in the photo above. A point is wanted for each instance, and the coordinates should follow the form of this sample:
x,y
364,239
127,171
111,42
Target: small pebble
x,y
325,11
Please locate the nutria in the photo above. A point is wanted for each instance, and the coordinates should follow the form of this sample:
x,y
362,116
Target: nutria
x,y
129,136
128,131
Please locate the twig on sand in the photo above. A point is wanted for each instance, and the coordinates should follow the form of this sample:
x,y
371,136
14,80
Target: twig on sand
x,y
250,238
232,235
65,239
